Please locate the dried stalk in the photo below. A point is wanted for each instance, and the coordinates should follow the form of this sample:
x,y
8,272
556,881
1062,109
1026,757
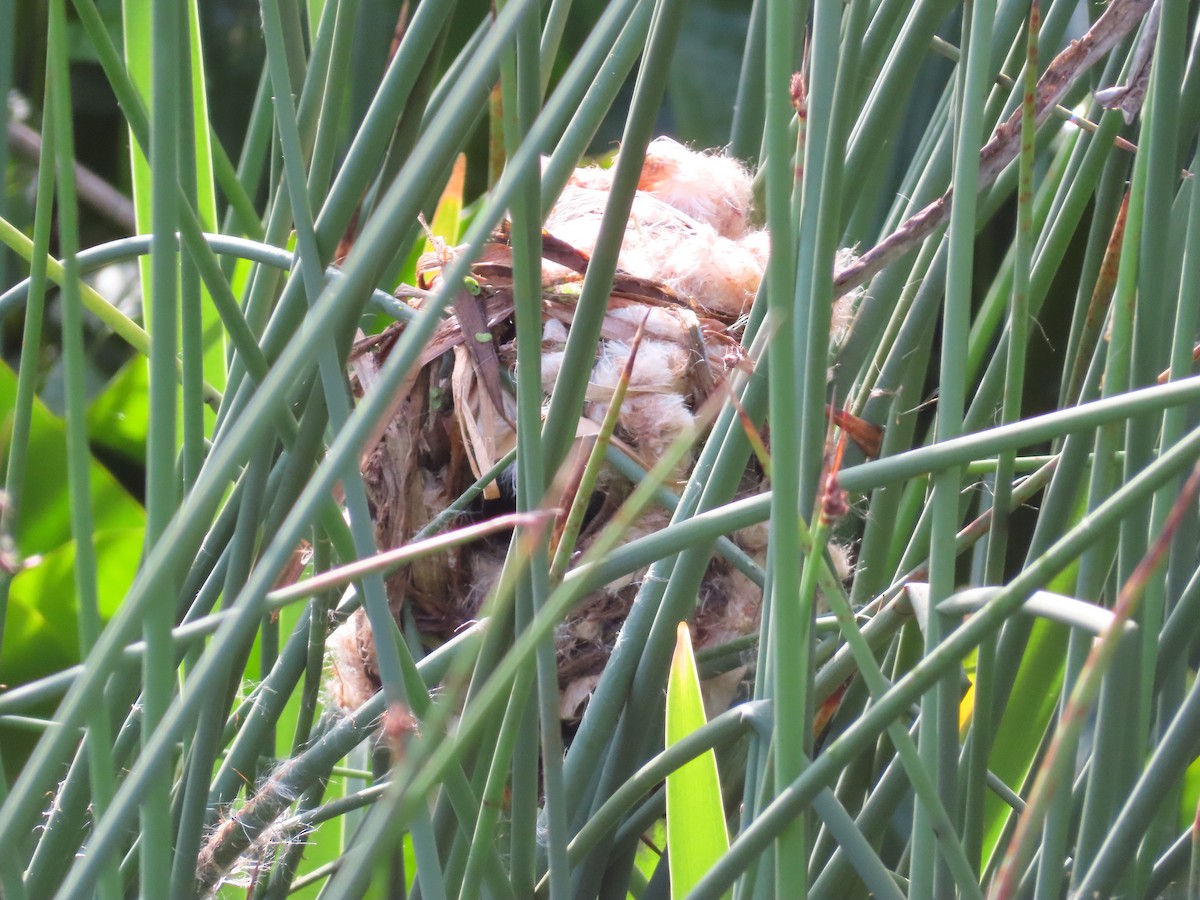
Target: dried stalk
x,y
1079,56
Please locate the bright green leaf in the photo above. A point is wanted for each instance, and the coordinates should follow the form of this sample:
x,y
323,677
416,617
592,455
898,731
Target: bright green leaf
x,y
40,635
43,520
696,832
120,415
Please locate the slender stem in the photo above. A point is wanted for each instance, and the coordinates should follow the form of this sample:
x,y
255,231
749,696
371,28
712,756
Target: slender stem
x,y
788,682
99,747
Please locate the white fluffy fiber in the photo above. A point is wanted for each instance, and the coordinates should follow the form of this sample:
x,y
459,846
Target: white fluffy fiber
x,y
708,187
688,227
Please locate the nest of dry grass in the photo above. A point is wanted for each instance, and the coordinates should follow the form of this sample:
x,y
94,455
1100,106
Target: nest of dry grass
x,y
690,265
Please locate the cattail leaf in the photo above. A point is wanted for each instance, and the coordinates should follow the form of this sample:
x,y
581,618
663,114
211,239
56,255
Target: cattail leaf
x,y
696,833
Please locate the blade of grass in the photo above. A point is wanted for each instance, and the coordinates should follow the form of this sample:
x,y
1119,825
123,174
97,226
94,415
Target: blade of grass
x,y
7,32
1157,295
1170,759
933,666
595,460
16,467
978,744
210,487
696,831
938,742
78,453
100,255
160,286
721,731
521,92
1061,755
784,622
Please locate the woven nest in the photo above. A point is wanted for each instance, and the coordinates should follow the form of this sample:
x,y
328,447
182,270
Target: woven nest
x,y
690,265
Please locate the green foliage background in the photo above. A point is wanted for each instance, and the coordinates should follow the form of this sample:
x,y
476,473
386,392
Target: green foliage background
x,y
1020,721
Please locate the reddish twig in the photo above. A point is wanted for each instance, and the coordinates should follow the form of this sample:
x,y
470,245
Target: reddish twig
x,y
1097,311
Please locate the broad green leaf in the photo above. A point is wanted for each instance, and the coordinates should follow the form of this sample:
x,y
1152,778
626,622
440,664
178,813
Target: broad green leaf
x,y
1189,800
40,634
696,832
120,415
648,856
43,520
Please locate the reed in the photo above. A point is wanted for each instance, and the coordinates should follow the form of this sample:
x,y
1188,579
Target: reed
x,y
359,573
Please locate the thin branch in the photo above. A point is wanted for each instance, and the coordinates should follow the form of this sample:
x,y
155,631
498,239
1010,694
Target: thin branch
x,y
93,190
1079,56
948,50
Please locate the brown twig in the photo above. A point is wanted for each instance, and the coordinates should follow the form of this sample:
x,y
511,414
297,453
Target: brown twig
x,y
93,190
388,560
1079,56
1097,311
1128,97
948,50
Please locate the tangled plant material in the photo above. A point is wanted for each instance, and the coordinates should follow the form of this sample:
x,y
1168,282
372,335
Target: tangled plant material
x,y
689,267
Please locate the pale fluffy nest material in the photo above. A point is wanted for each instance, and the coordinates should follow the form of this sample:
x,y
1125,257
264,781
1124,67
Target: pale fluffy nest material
x,y
690,265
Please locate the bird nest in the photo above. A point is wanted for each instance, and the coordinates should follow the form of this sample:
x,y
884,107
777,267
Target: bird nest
x,y
689,266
